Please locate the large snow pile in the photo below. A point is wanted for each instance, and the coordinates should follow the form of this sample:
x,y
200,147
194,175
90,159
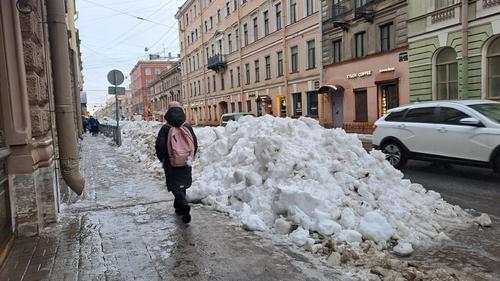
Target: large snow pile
x,y
293,177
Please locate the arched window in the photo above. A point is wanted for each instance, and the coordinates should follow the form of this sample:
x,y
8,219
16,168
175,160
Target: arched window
x,y
447,74
494,69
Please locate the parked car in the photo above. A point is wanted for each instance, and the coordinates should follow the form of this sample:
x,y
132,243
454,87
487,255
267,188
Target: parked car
x,y
225,118
463,132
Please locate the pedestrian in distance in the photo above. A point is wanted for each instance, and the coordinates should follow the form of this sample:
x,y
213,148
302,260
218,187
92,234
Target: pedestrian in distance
x,y
92,125
176,146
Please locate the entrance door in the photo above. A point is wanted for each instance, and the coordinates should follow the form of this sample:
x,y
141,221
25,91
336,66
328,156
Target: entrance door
x,y
338,110
388,98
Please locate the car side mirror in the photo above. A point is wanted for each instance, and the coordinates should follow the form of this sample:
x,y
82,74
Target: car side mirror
x,y
469,121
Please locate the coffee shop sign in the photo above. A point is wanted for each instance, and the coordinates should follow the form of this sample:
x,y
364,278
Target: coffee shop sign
x,y
359,74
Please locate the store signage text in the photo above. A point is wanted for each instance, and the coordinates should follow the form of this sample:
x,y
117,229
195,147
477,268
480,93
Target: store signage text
x,y
359,74
389,69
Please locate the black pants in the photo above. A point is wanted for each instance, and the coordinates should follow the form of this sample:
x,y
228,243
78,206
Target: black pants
x,y
180,201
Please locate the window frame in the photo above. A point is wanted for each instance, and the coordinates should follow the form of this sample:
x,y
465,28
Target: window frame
x,y
337,58
447,80
309,7
386,29
490,56
312,98
267,60
294,59
265,15
257,70
293,11
255,29
359,46
278,14
311,54
279,57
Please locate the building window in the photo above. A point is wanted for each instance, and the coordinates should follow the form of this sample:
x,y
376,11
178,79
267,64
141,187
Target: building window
x,y
280,63
208,84
359,43
215,84
361,105
207,54
232,78
235,4
255,30
386,37
228,9
312,104
266,23
494,69
237,38
444,3
293,11
310,7
268,67
257,71
238,82
218,16
230,43
447,74
360,3
211,22
233,107
278,16
311,54
297,104
222,84
190,90
243,1
249,106
245,35
206,26
240,107
247,73
199,87
147,71
337,51
294,58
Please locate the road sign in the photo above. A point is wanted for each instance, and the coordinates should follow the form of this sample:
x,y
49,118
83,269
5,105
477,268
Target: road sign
x,y
119,91
115,77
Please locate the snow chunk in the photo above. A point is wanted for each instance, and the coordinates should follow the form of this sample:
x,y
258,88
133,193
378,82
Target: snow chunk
x,y
327,227
299,237
349,236
375,227
282,226
403,249
483,220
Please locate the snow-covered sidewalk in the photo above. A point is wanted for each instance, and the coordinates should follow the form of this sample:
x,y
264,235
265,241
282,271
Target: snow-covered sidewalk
x,y
317,188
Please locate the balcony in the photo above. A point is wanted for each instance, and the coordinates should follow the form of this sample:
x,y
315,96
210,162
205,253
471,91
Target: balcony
x,y
217,63
443,14
340,8
364,9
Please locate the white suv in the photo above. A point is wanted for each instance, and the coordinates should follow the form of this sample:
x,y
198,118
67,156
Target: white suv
x,y
461,132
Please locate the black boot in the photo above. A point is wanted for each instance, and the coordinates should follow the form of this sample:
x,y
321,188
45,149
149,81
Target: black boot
x,y
186,217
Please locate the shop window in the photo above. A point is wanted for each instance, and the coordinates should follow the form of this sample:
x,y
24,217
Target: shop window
x,y
494,69
447,74
361,105
388,97
297,104
312,104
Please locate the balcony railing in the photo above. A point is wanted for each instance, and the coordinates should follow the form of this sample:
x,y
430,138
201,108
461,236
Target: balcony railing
x,y
490,3
364,9
443,14
217,63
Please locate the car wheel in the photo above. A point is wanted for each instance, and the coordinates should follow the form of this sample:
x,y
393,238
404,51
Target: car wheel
x,y
395,154
496,164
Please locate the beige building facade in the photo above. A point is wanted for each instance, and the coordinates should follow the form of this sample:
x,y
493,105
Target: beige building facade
x,y
365,58
163,90
257,56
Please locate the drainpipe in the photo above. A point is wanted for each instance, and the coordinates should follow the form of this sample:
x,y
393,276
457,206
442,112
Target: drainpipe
x,y
78,106
321,43
465,49
65,115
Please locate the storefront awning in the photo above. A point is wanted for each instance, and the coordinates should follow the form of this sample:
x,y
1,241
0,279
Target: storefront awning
x,y
264,98
331,89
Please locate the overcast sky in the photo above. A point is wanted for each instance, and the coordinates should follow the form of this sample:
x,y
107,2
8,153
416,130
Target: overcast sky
x,y
113,38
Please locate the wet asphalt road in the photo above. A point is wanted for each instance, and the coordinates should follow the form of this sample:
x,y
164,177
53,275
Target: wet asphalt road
x,y
468,187
475,250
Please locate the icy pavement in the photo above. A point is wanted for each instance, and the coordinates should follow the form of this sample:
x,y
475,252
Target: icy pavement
x,y
124,228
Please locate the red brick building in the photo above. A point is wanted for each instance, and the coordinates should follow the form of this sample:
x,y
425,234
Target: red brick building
x,y
141,76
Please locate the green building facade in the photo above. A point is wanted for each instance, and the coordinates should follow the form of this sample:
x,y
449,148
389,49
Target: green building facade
x,y
439,68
